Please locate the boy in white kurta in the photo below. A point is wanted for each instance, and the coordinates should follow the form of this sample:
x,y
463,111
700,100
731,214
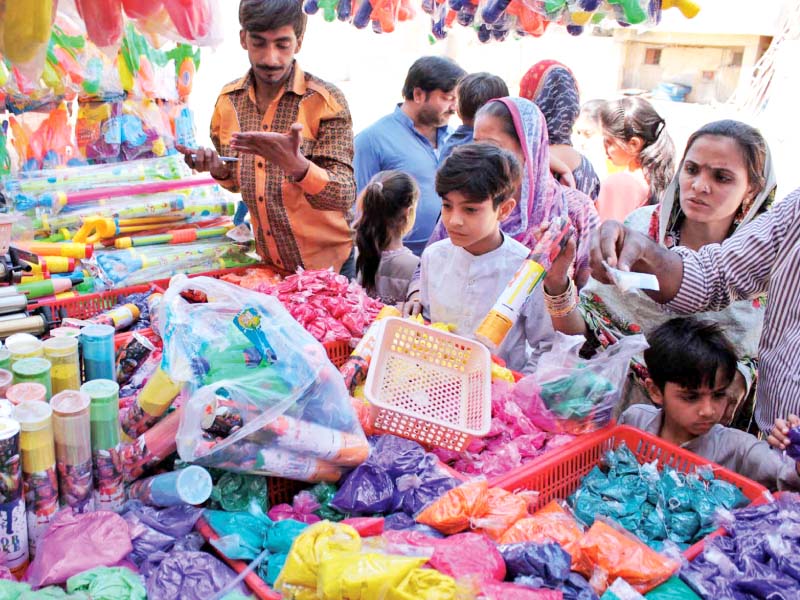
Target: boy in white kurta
x,y
462,276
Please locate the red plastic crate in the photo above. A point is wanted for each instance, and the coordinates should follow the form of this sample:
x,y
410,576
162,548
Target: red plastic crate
x,y
338,352
557,474
89,305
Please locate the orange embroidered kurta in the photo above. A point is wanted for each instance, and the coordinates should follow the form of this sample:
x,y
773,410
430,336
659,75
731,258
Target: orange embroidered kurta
x,y
296,223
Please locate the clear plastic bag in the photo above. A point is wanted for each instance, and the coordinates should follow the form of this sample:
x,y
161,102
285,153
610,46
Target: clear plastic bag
x,y
262,395
581,394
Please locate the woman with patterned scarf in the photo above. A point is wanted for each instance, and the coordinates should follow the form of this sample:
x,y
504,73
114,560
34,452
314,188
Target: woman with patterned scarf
x,y
725,180
552,87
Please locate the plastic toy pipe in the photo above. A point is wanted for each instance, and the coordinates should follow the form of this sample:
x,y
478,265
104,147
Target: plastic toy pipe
x,y
155,187
95,229
501,318
151,169
177,236
69,249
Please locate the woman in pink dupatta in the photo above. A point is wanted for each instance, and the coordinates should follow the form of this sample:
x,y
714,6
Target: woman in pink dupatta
x,y
518,126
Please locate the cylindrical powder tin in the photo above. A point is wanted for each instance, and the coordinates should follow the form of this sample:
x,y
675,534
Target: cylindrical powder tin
x,y
13,521
38,466
72,430
23,392
107,473
33,370
97,348
65,373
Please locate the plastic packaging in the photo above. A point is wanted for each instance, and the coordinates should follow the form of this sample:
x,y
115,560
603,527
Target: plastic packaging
x,y
103,20
65,373
503,510
654,505
190,575
132,356
150,448
13,526
38,467
108,583
262,390
107,468
550,524
580,393
72,432
606,553
464,555
312,547
102,537
456,509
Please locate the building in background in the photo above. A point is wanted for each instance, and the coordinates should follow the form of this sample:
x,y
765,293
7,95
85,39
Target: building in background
x,y
700,60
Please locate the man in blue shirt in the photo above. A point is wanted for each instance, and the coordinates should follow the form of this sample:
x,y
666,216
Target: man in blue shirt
x,y
472,92
411,139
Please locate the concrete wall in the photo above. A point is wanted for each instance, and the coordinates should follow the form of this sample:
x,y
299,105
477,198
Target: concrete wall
x,y
685,58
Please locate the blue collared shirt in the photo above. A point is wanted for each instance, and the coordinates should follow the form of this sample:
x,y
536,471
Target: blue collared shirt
x,y
393,143
462,135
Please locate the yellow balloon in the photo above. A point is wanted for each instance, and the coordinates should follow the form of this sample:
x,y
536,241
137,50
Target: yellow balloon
x,y
26,28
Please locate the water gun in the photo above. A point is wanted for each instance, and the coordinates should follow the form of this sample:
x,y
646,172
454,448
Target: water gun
x,y
4,75
363,14
328,7
62,59
632,11
344,10
493,10
26,28
387,12
141,9
95,229
103,20
5,159
688,8
529,21
135,62
176,236
187,61
59,149
27,145
192,18
501,318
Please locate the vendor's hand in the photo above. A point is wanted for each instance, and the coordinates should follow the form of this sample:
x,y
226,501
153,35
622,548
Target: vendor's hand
x,y
557,279
779,438
618,246
561,171
205,160
281,149
413,305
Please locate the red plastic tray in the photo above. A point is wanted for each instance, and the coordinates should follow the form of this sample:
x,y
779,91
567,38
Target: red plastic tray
x,y
89,305
557,474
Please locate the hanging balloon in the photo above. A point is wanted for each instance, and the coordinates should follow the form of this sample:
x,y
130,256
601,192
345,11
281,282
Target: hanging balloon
x,y
192,18
103,20
141,9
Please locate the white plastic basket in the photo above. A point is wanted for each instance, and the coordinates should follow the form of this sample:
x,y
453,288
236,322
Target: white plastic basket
x,y
429,386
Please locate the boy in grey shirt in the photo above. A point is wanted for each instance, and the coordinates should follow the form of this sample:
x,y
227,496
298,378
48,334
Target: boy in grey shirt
x,y
691,365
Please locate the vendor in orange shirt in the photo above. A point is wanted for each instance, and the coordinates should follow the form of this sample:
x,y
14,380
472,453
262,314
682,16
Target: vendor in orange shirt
x,y
293,136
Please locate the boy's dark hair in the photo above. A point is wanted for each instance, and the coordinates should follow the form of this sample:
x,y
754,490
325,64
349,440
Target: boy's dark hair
x,y
269,15
475,90
689,353
479,172
431,73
